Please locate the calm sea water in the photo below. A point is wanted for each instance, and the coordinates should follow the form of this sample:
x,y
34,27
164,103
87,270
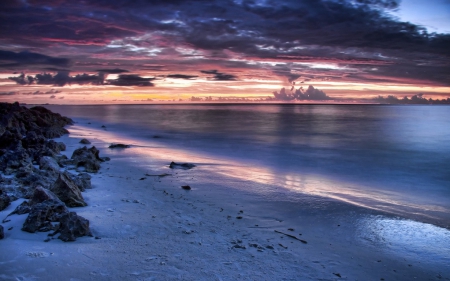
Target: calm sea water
x,y
394,158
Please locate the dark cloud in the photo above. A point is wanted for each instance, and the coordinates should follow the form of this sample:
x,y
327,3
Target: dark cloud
x,y
357,33
61,78
10,59
131,80
52,91
181,76
12,93
64,78
218,76
22,79
112,71
300,94
388,4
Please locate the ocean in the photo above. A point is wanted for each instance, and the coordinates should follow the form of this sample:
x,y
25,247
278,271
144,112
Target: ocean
x,y
394,159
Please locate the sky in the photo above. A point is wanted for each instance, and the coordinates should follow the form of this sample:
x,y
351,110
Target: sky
x,y
139,51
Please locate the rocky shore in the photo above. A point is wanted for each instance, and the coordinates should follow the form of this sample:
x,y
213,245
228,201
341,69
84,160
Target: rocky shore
x,y
32,167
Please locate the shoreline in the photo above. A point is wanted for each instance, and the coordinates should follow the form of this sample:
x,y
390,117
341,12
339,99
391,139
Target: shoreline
x,y
276,181
153,229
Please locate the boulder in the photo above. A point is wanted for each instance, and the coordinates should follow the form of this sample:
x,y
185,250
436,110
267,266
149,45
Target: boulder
x,y
87,158
23,208
72,226
67,191
85,141
56,146
4,200
48,163
33,139
82,180
42,194
14,159
2,234
43,214
36,178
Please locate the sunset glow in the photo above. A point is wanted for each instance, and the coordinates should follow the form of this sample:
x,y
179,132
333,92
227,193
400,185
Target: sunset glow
x,y
66,52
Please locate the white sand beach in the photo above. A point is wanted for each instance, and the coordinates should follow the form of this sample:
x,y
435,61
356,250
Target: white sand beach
x,y
146,227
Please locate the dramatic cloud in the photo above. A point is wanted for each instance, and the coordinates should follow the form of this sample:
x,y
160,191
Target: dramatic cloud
x,y
181,76
351,41
10,59
63,78
131,80
218,76
112,71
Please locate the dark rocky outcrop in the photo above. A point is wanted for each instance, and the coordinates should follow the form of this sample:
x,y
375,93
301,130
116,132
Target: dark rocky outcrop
x,y
85,141
43,214
25,142
4,200
72,226
87,158
33,125
2,234
67,191
184,166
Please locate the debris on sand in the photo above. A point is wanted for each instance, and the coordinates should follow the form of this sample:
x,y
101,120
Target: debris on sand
x,y
185,166
186,187
119,145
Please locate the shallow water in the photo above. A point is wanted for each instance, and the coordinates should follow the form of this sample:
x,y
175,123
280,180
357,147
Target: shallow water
x,y
389,158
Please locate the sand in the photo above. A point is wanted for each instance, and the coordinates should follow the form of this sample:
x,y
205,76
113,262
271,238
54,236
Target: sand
x,y
147,227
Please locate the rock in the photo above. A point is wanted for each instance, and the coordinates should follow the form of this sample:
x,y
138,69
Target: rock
x,y
42,194
37,177
23,208
72,226
56,146
4,200
33,139
42,214
85,141
18,122
48,163
15,158
119,145
82,180
2,234
185,166
186,187
67,191
87,158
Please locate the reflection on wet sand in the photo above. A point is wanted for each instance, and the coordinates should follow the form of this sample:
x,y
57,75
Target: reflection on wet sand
x,y
405,238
